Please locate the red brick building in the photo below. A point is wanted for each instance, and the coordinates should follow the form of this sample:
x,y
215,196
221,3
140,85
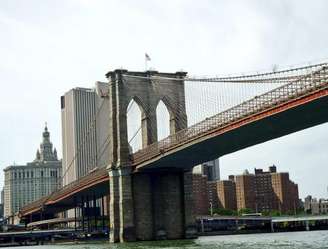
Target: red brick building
x,y
200,194
261,191
226,192
245,191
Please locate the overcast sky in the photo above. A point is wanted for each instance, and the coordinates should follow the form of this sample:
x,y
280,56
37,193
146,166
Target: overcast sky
x,y
49,47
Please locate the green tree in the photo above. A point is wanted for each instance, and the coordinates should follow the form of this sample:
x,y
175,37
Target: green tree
x,y
245,211
224,212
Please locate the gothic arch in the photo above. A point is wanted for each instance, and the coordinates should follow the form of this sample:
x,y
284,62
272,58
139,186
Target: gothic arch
x,y
140,104
167,102
163,117
125,86
134,117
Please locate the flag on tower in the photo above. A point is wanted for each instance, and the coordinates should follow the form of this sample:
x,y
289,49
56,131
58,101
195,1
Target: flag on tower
x,y
147,57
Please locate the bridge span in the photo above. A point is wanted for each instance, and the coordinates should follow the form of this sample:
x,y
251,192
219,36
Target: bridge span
x,y
141,184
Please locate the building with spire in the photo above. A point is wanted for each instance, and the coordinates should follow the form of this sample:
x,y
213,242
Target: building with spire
x,y
27,183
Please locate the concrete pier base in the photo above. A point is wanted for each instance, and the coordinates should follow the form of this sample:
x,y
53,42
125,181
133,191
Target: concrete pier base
x,y
151,206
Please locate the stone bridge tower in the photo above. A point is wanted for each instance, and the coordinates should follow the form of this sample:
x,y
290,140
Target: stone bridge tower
x,y
156,204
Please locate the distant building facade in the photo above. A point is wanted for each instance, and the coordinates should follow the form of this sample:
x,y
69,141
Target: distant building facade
x,y
200,194
211,169
226,192
27,183
315,206
205,177
85,131
1,204
212,194
261,191
245,191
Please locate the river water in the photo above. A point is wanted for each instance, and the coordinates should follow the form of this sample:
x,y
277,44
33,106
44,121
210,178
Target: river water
x,y
292,240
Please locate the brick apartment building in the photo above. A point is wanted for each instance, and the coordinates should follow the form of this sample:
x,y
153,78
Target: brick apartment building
x,y
226,193
245,191
205,178
200,194
261,191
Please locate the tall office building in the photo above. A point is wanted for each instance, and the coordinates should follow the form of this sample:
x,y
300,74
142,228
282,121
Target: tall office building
x,y
27,183
85,131
211,169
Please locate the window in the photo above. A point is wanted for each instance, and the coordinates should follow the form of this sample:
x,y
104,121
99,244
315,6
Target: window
x,y
62,102
27,174
32,174
41,173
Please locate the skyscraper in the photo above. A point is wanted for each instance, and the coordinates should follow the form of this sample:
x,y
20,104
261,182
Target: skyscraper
x,y
84,131
211,169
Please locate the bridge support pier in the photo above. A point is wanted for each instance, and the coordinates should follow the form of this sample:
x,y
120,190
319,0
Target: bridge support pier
x,y
150,206
121,206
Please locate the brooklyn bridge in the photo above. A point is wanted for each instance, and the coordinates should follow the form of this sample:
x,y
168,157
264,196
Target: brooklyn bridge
x,y
149,189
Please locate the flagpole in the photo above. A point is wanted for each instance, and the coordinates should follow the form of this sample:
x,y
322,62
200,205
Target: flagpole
x,y
147,58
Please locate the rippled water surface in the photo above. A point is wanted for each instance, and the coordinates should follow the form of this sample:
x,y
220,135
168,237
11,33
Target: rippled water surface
x,y
294,240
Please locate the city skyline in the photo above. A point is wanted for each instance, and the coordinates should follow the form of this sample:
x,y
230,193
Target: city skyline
x,y
53,59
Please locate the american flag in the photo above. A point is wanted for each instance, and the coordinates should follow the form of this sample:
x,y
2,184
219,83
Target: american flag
x,y
147,57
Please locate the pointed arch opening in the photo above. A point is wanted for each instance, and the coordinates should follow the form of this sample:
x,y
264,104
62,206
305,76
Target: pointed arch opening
x,y
163,120
134,115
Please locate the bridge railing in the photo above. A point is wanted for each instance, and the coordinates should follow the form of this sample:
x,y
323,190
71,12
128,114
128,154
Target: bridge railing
x,y
298,86
65,190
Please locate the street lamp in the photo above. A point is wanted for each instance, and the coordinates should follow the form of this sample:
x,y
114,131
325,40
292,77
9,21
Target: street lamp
x,y
211,208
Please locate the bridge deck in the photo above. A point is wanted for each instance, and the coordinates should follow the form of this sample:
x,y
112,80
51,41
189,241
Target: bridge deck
x,y
287,109
94,184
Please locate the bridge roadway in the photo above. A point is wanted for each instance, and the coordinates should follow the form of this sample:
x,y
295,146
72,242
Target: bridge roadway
x,y
295,115
95,184
297,109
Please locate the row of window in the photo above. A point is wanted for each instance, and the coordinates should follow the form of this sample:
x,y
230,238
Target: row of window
x,y
22,174
28,174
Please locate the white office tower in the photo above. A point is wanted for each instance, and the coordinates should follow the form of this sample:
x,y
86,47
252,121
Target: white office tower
x,y
85,131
